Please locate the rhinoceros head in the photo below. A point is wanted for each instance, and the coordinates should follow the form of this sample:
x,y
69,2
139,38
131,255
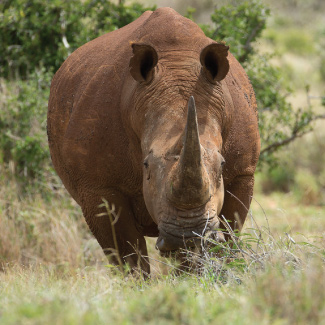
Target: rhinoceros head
x,y
178,117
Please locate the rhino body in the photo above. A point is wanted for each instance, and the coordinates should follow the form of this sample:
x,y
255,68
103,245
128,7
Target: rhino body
x,y
160,121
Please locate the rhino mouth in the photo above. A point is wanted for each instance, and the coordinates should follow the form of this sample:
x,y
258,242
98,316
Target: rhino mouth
x,y
167,243
186,229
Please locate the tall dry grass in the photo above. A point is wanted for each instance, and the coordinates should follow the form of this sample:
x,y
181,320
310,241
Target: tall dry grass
x,y
51,230
54,272
281,283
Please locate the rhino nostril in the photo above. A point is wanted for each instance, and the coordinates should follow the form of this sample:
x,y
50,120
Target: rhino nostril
x,y
168,244
160,243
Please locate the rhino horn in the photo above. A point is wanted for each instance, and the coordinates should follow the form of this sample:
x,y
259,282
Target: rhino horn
x,y
190,183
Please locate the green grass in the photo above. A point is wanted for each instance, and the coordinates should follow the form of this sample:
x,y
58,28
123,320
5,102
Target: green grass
x,y
53,271
280,293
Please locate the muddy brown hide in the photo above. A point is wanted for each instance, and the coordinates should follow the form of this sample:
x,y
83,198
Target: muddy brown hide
x,y
160,121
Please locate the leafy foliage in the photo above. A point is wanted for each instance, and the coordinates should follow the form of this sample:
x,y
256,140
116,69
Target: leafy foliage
x,y
32,32
108,16
23,124
46,32
238,26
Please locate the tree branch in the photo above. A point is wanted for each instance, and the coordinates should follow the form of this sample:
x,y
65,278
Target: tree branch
x,y
295,135
247,45
274,146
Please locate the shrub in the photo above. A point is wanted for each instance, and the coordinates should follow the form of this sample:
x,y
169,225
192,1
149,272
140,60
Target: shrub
x,y
33,32
23,123
46,32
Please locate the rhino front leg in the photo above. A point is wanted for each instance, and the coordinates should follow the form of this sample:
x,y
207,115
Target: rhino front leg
x,y
128,242
238,196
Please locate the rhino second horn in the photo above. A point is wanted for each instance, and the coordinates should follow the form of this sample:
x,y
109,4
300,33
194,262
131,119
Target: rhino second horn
x,y
190,183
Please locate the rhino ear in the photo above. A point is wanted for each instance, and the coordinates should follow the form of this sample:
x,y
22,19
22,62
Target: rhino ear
x,y
214,61
143,62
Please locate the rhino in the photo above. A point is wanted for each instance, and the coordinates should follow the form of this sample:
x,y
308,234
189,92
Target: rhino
x,y
161,122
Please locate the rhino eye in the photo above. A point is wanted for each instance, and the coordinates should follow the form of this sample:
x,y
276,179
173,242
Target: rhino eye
x,y
223,162
146,165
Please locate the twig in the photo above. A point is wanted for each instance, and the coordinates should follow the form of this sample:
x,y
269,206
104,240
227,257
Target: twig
x,y
264,213
272,147
295,133
13,137
111,213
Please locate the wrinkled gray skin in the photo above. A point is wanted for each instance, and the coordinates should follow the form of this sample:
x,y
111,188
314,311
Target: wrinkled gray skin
x,y
160,121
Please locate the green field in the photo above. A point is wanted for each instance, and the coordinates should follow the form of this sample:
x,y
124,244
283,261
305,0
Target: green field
x,y
55,272
52,270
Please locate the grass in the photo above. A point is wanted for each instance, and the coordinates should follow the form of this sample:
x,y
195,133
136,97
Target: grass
x,y
284,293
53,271
47,230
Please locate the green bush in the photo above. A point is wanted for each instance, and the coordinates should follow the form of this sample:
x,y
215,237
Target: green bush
x,y
32,32
107,16
23,124
46,32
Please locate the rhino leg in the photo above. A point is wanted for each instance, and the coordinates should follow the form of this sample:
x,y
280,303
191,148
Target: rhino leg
x,y
238,196
131,244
